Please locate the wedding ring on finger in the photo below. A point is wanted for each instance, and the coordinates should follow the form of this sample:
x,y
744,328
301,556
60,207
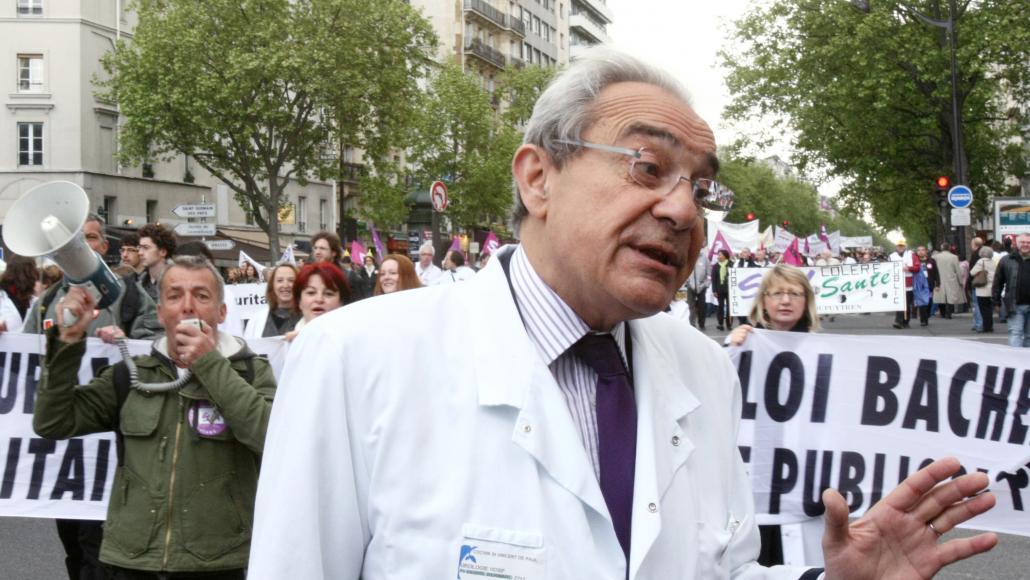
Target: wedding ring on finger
x,y
934,529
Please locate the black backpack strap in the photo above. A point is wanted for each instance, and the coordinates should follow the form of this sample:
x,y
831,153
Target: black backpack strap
x,y
47,300
130,304
122,383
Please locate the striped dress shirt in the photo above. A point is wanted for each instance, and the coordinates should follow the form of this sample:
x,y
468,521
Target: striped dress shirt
x,y
553,328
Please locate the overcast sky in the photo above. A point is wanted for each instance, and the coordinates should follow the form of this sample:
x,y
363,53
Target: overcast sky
x,y
684,37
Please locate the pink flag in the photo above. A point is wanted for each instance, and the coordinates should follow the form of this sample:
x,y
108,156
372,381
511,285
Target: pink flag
x,y
357,252
791,256
823,236
808,250
491,243
719,243
455,244
378,243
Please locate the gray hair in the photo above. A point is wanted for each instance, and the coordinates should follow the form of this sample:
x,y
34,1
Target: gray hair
x,y
986,252
92,217
566,108
427,246
193,263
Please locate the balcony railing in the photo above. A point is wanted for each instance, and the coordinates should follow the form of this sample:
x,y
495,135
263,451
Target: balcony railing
x,y
487,11
496,17
353,171
491,55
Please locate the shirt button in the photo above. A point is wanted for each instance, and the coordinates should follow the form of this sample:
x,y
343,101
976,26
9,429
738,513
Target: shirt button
x,y
527,428
676,440
652,507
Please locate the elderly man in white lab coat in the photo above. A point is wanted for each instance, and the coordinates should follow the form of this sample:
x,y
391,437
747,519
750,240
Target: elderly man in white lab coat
x,y
485,447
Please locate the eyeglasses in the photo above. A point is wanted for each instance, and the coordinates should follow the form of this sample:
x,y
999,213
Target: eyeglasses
x,y
780,294
648,170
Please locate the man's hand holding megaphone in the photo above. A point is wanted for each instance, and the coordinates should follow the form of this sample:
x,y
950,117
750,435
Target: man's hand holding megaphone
x,y
82,308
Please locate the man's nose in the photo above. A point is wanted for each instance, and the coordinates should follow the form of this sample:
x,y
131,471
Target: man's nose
x,y
678,207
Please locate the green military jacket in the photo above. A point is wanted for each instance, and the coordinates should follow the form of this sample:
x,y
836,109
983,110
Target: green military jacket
x,y
184,498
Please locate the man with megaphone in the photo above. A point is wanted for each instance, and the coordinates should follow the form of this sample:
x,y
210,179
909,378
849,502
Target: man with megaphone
x,y
52,220
190,419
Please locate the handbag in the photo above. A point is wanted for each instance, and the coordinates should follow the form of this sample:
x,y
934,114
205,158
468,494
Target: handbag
x,y
980,279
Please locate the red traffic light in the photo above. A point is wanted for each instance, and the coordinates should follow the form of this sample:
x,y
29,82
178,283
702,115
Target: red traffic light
x,y
943,182
750,216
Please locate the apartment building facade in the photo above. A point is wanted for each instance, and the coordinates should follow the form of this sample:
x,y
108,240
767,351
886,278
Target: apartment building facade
x,y
55,127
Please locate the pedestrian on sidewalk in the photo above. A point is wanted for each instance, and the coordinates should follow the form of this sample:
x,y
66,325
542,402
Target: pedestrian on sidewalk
x,y
1013,279
981,280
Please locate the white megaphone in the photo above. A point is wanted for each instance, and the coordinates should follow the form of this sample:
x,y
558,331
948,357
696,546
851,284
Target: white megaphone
x,y
47,221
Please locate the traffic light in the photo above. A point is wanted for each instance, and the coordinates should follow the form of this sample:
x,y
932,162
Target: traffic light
x,y
943,183
786,224
750,216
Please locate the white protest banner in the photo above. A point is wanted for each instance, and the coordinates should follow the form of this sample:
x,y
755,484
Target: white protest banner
x,y
242,302
860,413
72,478
841,289
783,240
739,236
856,242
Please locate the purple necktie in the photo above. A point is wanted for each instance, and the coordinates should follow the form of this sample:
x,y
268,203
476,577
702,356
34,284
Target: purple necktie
x,y
616,429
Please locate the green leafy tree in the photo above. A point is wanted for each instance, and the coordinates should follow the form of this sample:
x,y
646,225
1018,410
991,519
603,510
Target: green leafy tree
x,y
464,141
258,91
774,199
864,88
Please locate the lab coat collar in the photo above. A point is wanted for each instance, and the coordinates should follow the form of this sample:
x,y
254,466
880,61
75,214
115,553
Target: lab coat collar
x,y
509,371
663,403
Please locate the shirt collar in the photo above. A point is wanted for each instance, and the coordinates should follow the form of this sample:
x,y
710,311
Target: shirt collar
x,y
553,326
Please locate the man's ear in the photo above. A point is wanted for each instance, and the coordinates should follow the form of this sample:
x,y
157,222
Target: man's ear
x,y
530,167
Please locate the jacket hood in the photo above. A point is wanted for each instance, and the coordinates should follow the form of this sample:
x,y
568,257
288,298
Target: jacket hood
x,y
229,346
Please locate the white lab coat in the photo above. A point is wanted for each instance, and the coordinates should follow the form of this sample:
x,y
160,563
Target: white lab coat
x,y
9,313
396,466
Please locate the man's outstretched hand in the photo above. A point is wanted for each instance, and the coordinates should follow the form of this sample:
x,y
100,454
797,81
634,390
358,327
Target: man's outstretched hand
x,y
895,539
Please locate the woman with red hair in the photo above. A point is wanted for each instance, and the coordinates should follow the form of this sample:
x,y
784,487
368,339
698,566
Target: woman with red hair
x,y
319,288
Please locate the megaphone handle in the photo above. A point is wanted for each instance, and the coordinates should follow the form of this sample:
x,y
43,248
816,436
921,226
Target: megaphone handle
x,y
69,319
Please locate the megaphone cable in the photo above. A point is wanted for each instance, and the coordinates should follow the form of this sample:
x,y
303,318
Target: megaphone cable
x,y
134,381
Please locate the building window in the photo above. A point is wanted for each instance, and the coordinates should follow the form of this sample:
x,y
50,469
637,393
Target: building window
x,y
151,211
30,7
323,214
30,143
30,73
302,214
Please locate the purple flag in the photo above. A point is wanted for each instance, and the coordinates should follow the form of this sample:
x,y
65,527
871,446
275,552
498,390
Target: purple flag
x,y
378,243
455,244
791,256
719,243
491,244
357,253
823,236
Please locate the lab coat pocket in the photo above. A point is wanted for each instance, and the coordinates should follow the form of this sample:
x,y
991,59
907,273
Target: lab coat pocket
x,y
712,541
501,553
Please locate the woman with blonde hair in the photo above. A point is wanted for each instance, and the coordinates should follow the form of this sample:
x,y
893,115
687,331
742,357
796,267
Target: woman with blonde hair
x,y
786,302
396,273
282,313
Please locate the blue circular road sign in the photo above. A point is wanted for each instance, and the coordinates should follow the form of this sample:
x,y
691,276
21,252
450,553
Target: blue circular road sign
x,y
960,197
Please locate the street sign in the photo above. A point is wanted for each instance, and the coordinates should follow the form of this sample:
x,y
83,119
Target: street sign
x,y
960,197
195,229
961,217
216,245
195,210
438,195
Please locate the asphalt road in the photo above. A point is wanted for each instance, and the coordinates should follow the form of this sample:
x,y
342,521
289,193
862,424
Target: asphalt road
x,y
30,550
